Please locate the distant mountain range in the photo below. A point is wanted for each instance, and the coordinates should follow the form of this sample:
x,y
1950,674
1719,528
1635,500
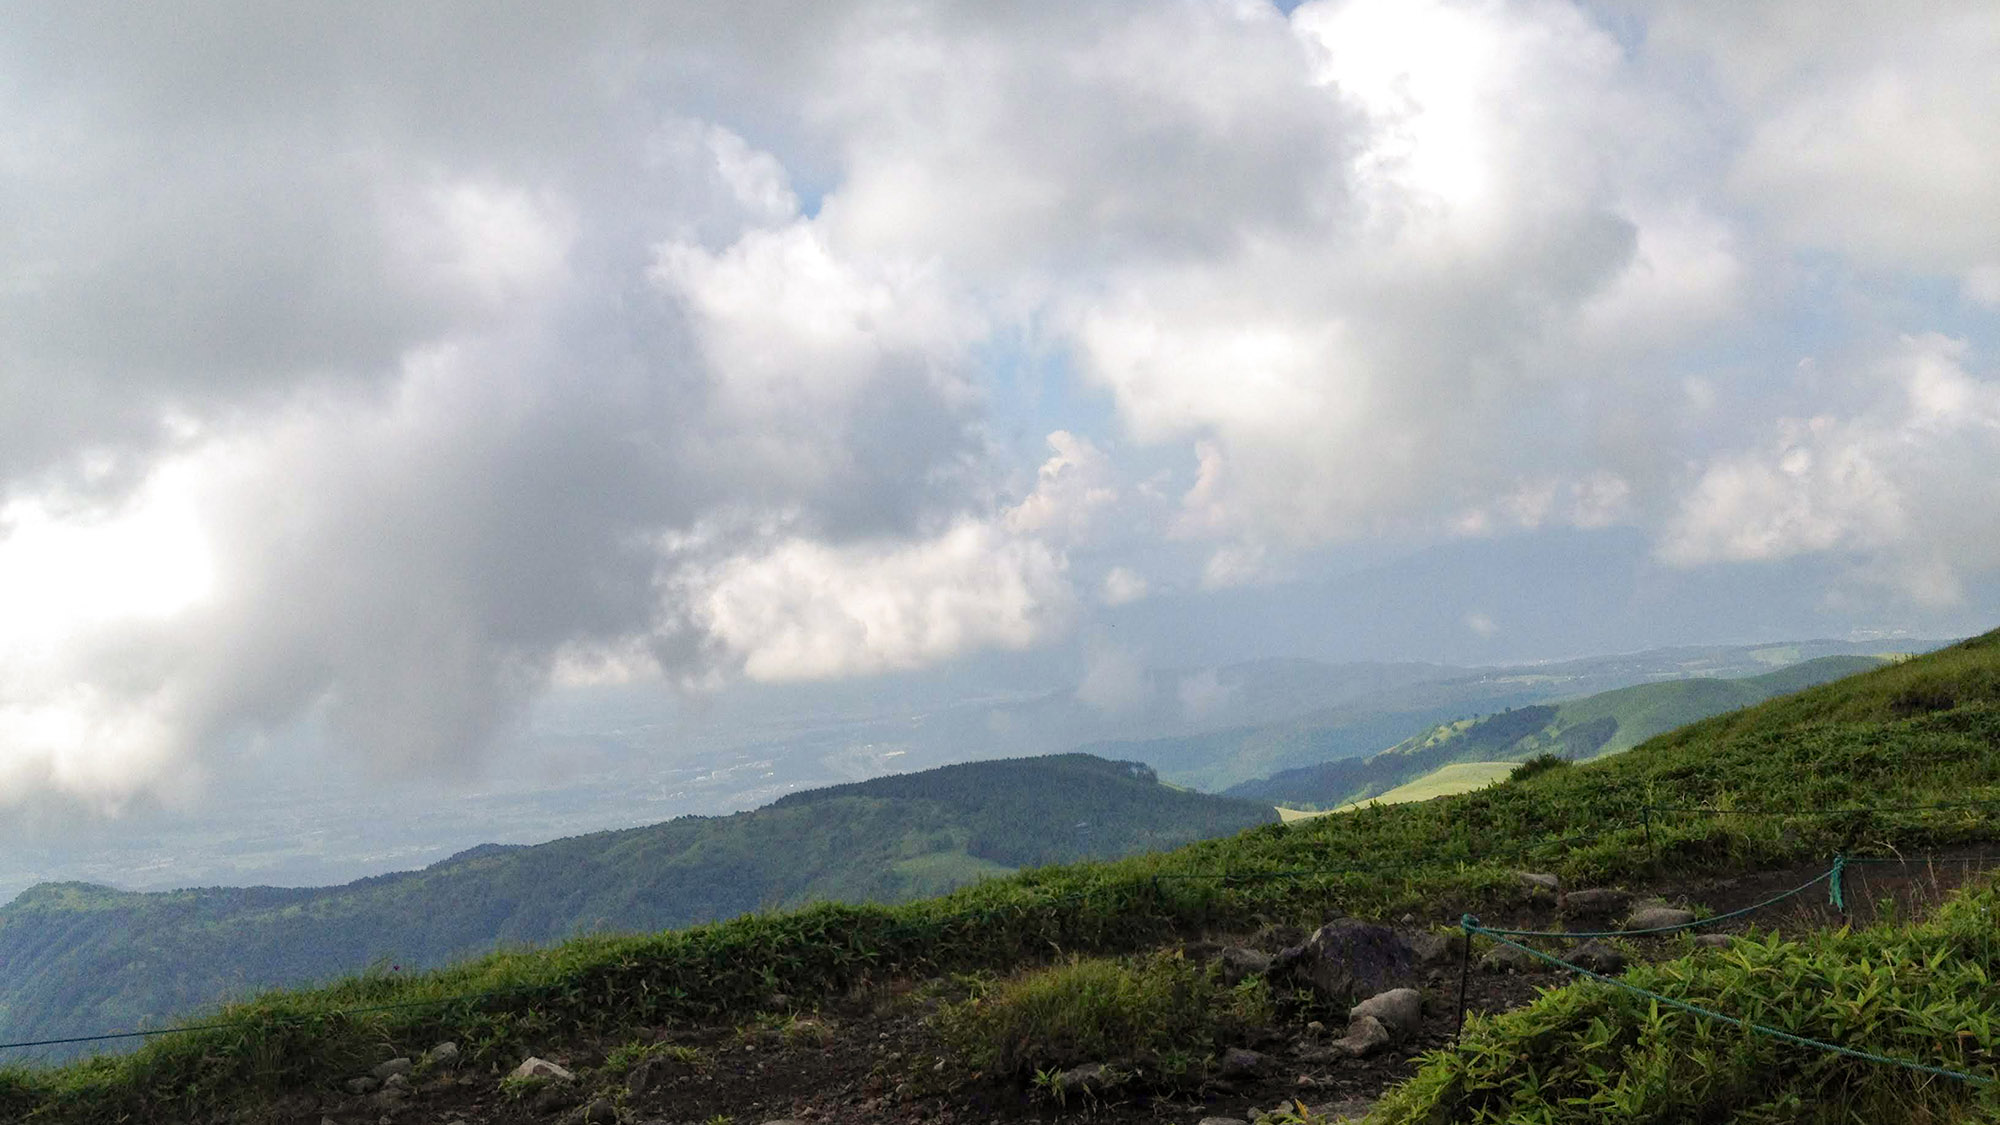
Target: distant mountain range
x,y
82,958
1365,722
1584,728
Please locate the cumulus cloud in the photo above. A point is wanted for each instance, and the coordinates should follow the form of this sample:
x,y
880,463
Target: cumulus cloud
x,y
374,370
1903,484
1870,133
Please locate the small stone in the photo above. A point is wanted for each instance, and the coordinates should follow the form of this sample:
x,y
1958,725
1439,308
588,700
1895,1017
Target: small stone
x,y
1349,1109
1315,1029
1240,1062
1598,958
1081,1079
601,1111
1222,1121
1508,959
396,1082
1714,941
1240,964
542,1068
1365,1036
1536,882
1658,917
444,1054
1409,919
1598,903
393,1066
363,1085
1401,1011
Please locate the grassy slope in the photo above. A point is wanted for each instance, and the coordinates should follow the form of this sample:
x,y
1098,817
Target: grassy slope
x,y
82,959
1604,723
1918,732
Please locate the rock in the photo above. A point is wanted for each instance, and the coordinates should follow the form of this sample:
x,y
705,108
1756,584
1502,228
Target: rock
x,y
366,1084
1084,1079
1239,964
1222,1121
1409,919
383,1071
1365,1036
1598,958
542,1068
1508,959
1437,949
1315,1029
1345,958
1714,941
1537,883
1658,917
444,1054
1599,904
601,1111
1239,1062
1400,1010
396,1082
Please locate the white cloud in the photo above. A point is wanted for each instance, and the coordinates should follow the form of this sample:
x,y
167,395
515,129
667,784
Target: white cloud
x,y
1071,486
806,610
1481,624
1869,130
1123,586
1902,486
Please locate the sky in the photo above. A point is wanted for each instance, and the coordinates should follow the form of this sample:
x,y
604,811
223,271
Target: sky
x,y
370,373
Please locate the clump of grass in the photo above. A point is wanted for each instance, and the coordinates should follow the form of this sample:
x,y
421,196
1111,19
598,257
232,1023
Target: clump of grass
x,y
1593,1053
1539,764
1159,1017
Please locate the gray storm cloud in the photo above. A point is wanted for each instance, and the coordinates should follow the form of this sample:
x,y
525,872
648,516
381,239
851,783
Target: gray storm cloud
x,y
379,369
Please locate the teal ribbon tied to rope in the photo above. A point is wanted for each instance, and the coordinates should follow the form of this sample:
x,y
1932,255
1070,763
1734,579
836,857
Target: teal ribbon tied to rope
x,y
1833,884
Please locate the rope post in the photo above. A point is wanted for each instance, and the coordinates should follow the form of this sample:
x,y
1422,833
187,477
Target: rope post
x,y
1464,971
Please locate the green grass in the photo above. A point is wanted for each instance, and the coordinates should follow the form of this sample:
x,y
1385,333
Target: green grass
x,y
1157,1018
1917,732
1460,777
1593,1053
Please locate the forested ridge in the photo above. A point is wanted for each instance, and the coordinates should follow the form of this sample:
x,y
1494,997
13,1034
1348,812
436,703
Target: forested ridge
x,y
84,958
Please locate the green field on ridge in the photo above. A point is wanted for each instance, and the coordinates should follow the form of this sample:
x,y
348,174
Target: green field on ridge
x,y
1916,733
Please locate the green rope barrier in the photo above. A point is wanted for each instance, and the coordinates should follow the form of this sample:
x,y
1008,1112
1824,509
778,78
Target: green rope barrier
x,y
1696,924
1470,925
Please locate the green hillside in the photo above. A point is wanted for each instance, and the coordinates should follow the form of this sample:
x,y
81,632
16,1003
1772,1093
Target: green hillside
x,y
82,958
1912,735
1577,730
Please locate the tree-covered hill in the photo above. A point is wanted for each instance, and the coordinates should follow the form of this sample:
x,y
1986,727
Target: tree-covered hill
x,y
84,958
1577,730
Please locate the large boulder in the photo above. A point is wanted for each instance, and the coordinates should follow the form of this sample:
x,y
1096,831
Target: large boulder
x,y
1598,905
1240,963
1657,916
1345,959
1433,949
1400,1010
1508,959
1597,957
